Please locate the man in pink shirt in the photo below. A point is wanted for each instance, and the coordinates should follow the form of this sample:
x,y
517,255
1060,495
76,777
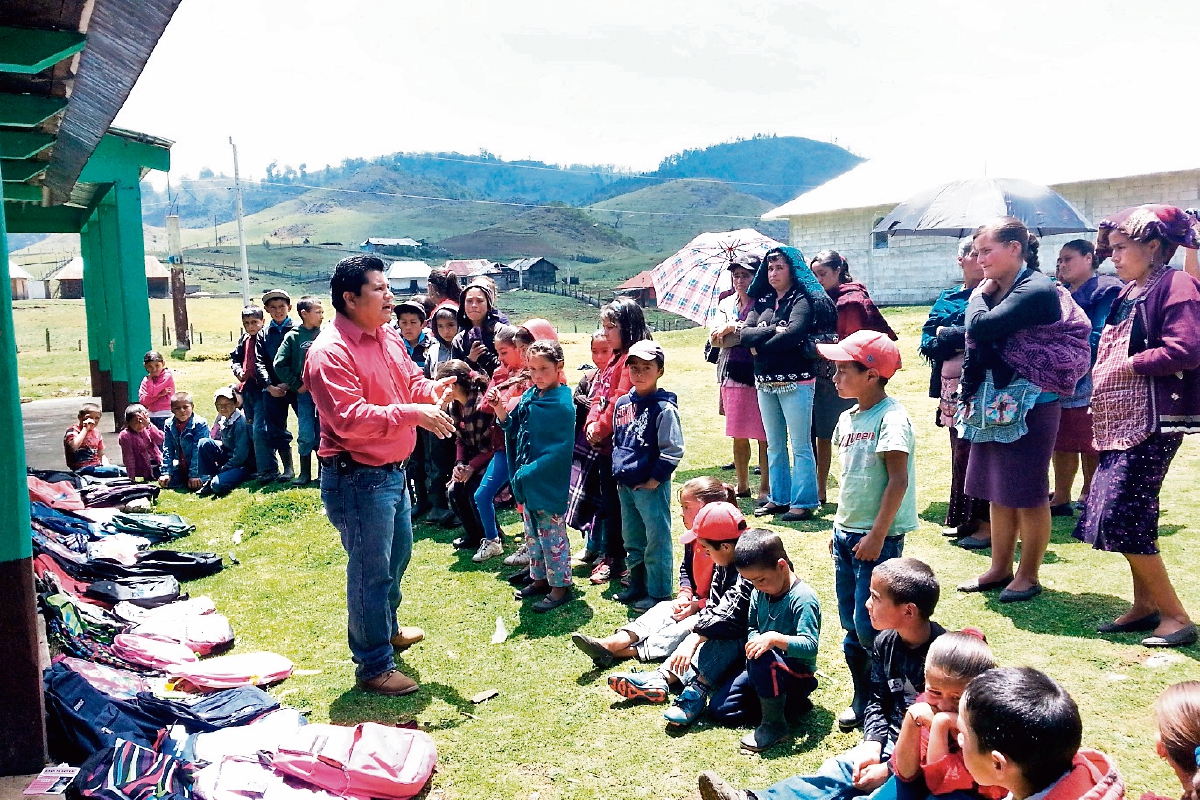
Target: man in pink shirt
x,y
371,398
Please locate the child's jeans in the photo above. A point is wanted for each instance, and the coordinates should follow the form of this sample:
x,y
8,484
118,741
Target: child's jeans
x,y
493,481
646,529
833,781
549,549
308,427
212,458
852,581
439,463
772,674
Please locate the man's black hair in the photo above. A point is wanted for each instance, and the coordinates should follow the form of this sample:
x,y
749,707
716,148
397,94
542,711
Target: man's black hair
x,y
1025,715
350,275
760,548
910,581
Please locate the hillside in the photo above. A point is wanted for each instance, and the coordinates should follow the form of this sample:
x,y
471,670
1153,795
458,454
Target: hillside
x,y
551,232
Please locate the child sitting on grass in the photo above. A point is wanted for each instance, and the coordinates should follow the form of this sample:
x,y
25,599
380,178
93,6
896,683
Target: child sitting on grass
x,y
878,501
904,593
654,635
83,446
781,649
647,447
181,446
141,444
1021,731
538,435
157,388
927,752
227,458
715,649
1177,712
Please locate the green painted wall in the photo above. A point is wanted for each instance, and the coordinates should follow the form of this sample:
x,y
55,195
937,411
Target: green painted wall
x,y
15,542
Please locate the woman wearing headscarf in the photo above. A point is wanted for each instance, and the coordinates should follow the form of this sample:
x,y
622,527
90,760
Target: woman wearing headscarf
x,y
1145,397
735,375
790,308
855,312
943,342
1027,344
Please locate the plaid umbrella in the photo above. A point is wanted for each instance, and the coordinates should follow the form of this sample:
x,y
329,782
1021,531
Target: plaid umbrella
x,y
689,282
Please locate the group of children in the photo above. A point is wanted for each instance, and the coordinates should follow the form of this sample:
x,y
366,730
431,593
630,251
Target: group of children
x,y
164,440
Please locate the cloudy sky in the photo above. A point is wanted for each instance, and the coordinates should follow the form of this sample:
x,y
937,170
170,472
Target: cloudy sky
x,y
1050,90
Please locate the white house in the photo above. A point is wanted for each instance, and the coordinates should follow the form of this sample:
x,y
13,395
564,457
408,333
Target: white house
x,y
840,214
408,277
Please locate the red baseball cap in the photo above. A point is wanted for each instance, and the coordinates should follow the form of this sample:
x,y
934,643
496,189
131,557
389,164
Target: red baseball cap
x,y
872,349
716,522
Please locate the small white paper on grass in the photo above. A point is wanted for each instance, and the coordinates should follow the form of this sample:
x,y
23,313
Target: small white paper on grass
x,y
237,536
1115,677
501,634
1161,660
307,671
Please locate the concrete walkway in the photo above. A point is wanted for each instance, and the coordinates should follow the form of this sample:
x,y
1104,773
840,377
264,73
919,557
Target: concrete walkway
x,y
45,423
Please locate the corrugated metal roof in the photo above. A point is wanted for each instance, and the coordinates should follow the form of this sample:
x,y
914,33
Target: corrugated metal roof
x,y
640,281
469,268
408,270
73,270
383,241
16,271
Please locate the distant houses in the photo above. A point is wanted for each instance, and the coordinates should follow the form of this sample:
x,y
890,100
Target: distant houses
x,y
640,289
23,285
535,271
408,277
383,245
70,279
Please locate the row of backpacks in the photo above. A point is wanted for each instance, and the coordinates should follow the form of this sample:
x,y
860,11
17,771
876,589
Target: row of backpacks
x,y
145,698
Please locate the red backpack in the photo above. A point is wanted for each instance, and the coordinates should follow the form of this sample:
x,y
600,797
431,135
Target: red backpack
x,y
367,760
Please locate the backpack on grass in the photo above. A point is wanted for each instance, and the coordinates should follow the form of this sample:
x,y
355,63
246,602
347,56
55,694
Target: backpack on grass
x,y
129,771
367,760
155,527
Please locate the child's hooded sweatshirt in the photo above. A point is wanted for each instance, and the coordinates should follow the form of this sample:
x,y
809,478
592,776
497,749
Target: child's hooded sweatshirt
x,y
647,437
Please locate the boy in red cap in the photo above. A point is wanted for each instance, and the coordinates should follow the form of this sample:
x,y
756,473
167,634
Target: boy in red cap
x,y
877,505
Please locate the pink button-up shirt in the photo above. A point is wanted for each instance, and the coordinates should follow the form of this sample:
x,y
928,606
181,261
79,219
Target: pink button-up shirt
x,y
365,388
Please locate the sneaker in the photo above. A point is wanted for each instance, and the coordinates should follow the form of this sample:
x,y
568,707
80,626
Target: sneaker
x,y
648,686
602,572
688,706
488,548
205,489
518,559
645,604
586,556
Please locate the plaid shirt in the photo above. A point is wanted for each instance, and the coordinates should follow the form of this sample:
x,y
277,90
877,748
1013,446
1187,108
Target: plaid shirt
x,y
474,423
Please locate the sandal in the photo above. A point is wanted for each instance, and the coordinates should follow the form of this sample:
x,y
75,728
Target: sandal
x,y
532,590
986,586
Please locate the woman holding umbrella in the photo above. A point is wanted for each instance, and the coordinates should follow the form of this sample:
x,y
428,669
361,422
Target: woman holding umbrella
x,y
1146,396
790,308
735,375
855,312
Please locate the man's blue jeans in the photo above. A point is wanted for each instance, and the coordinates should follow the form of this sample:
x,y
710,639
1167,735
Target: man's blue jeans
x,y
852,582
787,419
646,528
370,509
493,481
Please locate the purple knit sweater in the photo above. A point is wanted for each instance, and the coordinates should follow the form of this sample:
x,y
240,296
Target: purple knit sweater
x,y
1165,345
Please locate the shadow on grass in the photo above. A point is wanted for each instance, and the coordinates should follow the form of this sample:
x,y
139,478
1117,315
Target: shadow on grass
x,y
561,621
936,513
805,734
356,706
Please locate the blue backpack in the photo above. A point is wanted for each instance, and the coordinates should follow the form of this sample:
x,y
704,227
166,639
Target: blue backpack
x,y
81,719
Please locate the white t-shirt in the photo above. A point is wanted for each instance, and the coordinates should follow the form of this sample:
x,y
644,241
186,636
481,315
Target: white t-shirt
x,y
860,437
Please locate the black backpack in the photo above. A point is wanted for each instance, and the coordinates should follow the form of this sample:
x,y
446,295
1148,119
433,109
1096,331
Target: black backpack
x,y
147,592
81,719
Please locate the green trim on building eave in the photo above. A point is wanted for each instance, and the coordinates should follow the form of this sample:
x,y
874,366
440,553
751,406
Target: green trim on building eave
x,y
23,144
21,170
116,158
22,193
28,51
28,110
30,218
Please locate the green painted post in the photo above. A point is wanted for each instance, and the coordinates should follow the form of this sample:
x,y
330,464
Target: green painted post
x,y
22,725
135,294
96,308
110,260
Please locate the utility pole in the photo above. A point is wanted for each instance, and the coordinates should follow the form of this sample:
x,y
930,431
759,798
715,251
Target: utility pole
x,y
216,239
178,284
237,193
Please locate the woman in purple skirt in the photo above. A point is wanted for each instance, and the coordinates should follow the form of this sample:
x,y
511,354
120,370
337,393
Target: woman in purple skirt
x,y
1146,397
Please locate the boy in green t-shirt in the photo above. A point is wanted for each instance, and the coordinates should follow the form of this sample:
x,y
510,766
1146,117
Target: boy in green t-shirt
x,y
877,505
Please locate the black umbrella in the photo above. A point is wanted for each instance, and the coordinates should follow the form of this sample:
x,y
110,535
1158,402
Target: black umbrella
x,y
959,207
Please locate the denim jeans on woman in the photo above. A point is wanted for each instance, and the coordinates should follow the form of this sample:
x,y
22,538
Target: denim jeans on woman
x,y
787,418
370,509
493,481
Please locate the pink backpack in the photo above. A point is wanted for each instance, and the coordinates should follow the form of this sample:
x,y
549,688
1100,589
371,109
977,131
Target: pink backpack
x,y
226,672
61,495
155,652
367,760
202,633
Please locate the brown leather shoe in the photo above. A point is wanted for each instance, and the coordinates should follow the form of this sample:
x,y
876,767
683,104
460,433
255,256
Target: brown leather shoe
x,y
407,637
392,683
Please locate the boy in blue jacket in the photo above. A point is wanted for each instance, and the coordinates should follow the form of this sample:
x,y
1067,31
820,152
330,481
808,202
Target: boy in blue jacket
x,y
181,447
647,447
227,457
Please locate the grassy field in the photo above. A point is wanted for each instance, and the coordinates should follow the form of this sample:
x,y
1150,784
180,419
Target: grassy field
x,y
555,730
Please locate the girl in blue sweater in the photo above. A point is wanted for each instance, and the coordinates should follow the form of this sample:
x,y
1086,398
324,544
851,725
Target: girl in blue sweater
x,y
539,439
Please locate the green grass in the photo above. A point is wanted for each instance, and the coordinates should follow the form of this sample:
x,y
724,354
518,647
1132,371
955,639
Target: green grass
x,y
555,727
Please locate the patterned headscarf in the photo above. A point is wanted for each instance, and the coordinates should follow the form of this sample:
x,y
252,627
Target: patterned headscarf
x,y
824,313
1143,223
